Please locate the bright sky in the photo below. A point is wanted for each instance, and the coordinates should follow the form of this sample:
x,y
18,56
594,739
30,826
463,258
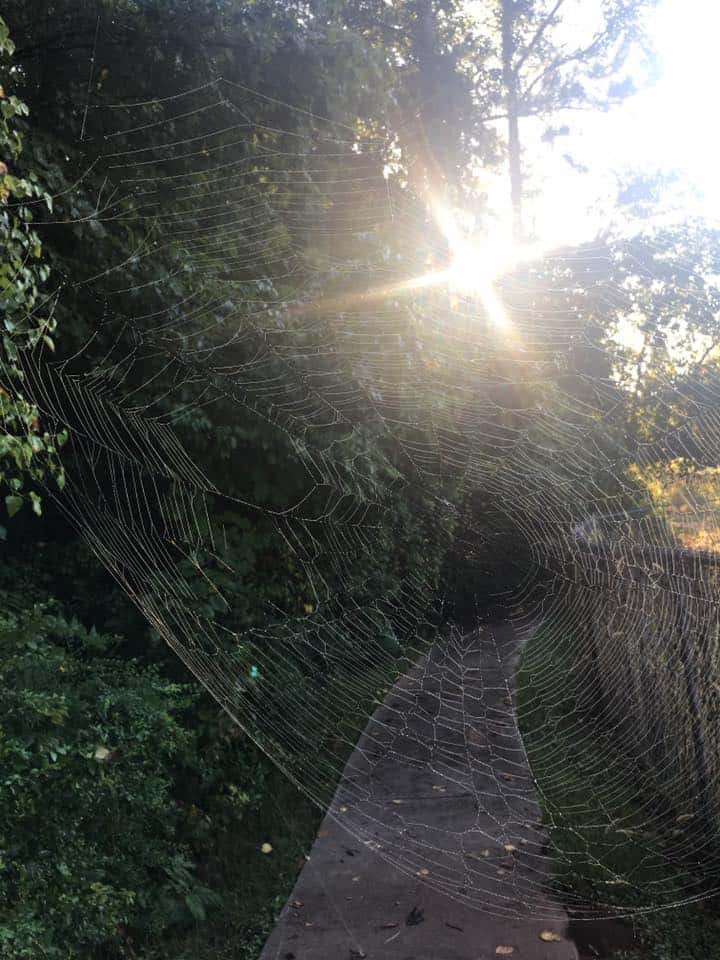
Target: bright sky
x,y
671,126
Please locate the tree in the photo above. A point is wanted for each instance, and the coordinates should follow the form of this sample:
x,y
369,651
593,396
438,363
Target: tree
x,y
254,447
549,67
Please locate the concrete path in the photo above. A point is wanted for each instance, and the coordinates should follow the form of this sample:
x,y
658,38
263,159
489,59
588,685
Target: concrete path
x,y
432,848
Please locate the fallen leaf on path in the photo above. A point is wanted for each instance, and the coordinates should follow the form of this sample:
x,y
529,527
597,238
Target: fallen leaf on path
x,y
504,951
550,937
415,917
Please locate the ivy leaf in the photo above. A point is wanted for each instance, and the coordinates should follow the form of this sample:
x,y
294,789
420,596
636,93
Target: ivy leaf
x,y
13,504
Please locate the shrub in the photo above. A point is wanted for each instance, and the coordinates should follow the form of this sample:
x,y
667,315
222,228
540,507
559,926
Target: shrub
x,y
89,850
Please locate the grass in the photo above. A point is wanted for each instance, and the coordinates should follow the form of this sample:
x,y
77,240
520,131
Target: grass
x,y
603,851
689,932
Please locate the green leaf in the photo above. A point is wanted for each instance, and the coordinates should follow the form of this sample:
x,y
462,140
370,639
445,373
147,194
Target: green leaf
x,y
195,906
13,504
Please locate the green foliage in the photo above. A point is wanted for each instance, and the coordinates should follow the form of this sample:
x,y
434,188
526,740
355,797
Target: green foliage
x,y
577,765
144,54
685,932
130,806
123,827
248,802
568,752
27,451
90,843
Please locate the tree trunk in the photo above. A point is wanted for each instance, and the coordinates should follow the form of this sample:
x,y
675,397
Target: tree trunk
x,y
511,98
436,153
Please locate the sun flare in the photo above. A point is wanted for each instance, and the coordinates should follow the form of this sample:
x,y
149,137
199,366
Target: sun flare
x,y
473,272
476,265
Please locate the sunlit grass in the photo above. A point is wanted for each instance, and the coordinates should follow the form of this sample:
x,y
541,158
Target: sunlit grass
x,y
687,498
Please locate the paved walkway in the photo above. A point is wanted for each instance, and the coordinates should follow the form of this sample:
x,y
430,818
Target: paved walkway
x,y
432,848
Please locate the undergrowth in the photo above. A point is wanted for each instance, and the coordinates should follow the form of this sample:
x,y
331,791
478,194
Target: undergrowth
x,y
577,767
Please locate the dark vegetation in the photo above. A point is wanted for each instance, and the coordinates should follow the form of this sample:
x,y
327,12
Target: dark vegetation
x,y
568,753
133,811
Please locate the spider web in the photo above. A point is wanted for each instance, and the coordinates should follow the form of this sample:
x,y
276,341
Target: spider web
x,y
313,327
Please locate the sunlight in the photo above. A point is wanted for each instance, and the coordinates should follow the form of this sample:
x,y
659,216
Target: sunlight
x,y
473,271
476,265
686,33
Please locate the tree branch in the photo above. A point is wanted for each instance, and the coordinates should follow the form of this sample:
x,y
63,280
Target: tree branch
x,y
537,36
699,364
562,61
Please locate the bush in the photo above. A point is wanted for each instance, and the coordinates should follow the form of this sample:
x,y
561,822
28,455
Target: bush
x,y
28,451
89,850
